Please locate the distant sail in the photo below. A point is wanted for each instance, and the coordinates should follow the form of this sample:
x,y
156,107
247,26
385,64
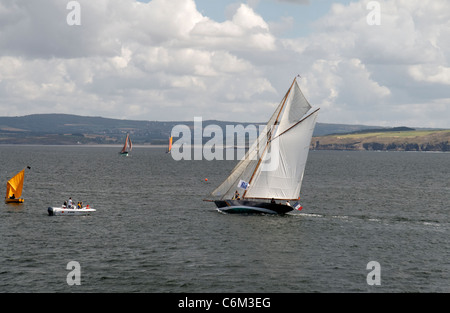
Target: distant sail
x,y
170,144
127,146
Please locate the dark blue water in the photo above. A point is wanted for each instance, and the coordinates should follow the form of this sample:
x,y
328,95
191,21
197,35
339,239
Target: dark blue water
x,y
153,233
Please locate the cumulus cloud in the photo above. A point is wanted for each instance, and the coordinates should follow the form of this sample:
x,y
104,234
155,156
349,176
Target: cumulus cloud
x,y
369,72
128,59
295,1
164,60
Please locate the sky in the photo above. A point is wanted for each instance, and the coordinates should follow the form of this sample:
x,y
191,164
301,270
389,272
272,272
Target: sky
x,y
380,63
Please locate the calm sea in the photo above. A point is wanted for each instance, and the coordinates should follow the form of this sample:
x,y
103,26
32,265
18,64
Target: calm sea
x,y
153,233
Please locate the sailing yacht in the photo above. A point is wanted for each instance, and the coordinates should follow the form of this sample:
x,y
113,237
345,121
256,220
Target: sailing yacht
x,y
126,147
14,188
271,172
169,149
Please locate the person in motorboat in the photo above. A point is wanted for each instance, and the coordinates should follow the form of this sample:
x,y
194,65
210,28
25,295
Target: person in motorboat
x,y
70,203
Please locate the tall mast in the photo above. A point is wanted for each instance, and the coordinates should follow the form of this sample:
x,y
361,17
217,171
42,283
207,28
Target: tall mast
x,y
270,136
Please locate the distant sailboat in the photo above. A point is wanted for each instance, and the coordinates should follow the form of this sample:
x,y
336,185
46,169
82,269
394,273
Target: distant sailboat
x,y
272,170
14,188
170,144
127,146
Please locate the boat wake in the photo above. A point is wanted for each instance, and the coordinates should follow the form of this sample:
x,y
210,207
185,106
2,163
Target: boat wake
x,y
395,220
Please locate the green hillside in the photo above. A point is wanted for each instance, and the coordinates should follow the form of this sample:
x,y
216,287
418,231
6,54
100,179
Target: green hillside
x,y
66,129
61,129
409,140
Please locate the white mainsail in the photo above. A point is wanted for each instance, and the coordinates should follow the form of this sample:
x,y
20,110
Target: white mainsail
x,y
275,163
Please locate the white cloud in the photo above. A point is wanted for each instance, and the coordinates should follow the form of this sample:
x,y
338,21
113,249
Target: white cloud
x,y
433,74
164,60
246,30
295,1
127,59
363,74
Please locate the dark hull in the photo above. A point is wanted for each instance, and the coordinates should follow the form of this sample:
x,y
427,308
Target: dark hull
x,y
246,206
13,200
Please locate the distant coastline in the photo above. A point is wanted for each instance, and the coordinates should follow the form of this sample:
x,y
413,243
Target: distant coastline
x,y
407,140
66,129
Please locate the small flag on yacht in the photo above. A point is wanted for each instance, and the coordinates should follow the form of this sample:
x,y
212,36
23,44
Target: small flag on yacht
x,y
298,206
242,184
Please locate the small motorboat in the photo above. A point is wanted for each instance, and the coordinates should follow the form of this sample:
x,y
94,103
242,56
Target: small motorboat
x,y
70,211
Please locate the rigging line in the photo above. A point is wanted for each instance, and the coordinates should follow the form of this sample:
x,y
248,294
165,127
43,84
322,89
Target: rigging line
x,y
295,124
